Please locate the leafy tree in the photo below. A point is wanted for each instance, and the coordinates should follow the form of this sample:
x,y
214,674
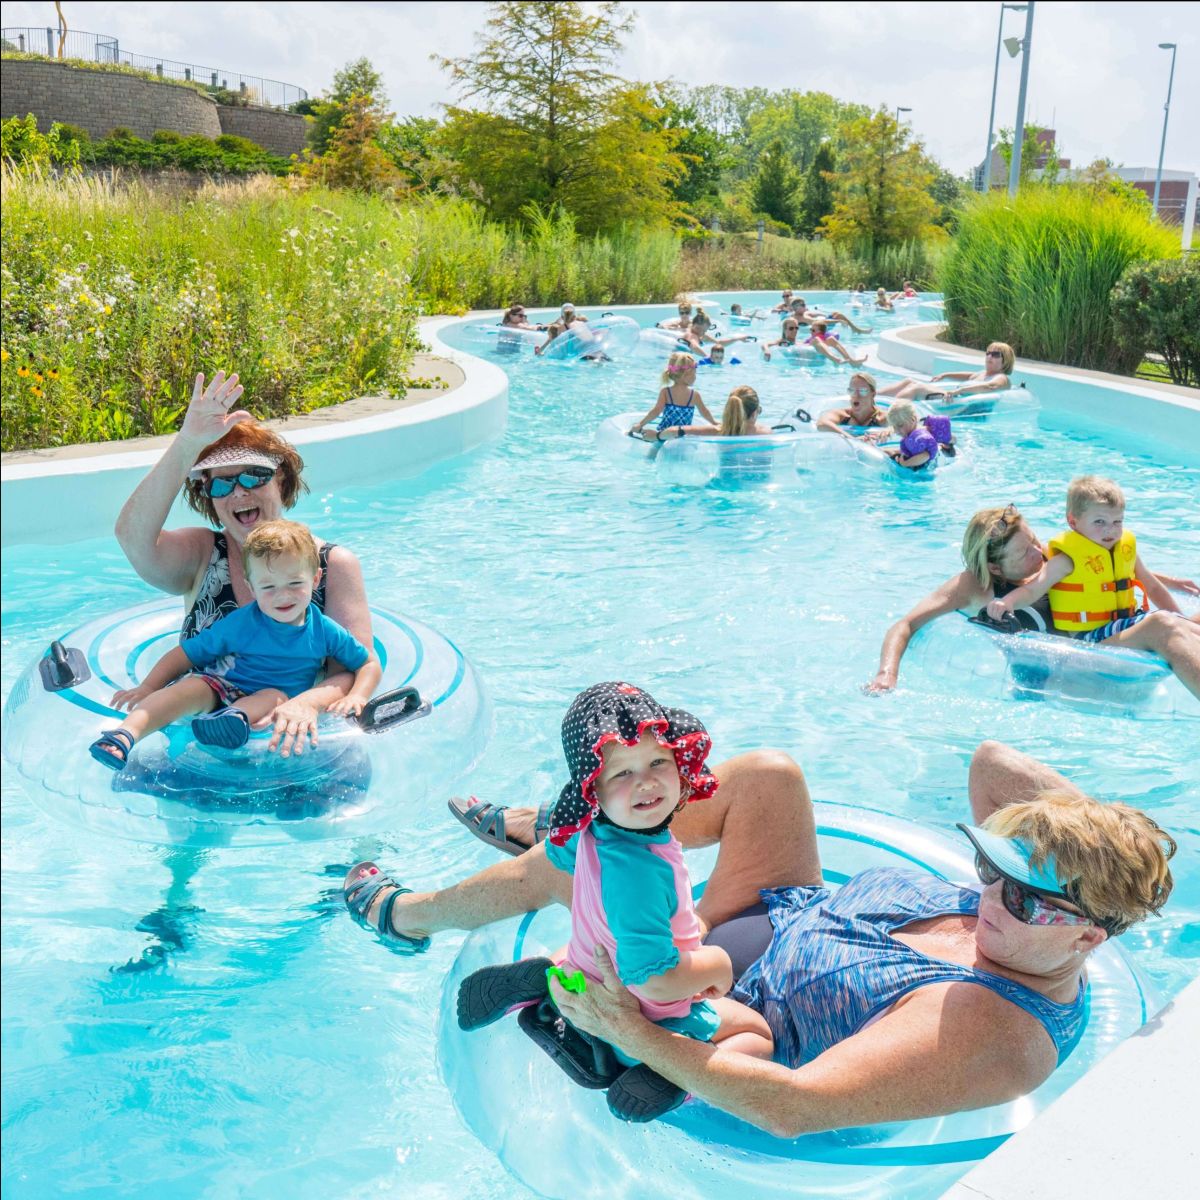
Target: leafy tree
x,y
1100,178
950,193
705,152
773,190
354,159
410,144
883,191
802,121
558,128
358,78
1032,151
818,199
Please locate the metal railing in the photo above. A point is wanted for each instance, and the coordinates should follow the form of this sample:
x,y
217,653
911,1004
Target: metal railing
x,y
251,90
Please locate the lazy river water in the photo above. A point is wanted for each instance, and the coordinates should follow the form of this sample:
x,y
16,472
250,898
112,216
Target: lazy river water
x,y
208,1022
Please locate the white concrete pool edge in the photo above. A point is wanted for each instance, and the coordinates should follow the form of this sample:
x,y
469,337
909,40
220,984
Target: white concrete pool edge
x,y
1120,1131
54,501
1171,415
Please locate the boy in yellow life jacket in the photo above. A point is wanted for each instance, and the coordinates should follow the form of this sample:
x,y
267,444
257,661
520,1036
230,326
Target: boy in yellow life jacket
x,y
1094,574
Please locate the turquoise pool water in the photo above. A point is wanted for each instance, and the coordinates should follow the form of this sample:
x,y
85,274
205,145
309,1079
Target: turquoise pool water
x,y
270,1046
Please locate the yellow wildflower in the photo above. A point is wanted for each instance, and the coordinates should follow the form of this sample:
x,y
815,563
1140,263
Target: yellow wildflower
x,y
23,372
37,391
108,310
4,355
38,376
51,374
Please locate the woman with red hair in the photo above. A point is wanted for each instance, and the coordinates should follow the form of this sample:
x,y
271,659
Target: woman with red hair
x,y
237,475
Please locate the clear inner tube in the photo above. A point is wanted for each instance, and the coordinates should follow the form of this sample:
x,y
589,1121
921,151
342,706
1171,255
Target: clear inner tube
x,y
363,777
560,1140
1038,667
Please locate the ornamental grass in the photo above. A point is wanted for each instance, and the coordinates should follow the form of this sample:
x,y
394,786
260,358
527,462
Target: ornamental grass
x,y
1037,272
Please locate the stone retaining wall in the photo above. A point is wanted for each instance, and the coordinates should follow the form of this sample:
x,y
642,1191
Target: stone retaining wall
x,y
280,132
99,101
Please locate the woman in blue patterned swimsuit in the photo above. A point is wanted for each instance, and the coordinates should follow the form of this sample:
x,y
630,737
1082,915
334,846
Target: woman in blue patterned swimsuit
x,y
898,996
237,475
678,400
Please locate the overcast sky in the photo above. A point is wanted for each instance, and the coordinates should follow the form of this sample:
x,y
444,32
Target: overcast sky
x,y
1096,73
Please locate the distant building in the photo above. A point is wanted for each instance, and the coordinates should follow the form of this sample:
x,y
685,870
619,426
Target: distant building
x,y
1177,199
999,175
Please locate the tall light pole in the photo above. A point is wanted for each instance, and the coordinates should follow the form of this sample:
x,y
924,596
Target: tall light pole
x,y
899,111
1014,173
1166,117
987,154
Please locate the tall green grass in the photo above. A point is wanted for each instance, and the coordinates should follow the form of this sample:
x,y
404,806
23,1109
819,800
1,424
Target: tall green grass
x,y
1037,272
461,260
115,295
116,290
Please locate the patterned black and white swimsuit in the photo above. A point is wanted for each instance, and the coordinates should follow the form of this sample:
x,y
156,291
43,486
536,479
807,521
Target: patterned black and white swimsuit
x,y
215,599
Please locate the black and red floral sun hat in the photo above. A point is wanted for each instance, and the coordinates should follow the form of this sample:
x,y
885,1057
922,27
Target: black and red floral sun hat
x,y
612,712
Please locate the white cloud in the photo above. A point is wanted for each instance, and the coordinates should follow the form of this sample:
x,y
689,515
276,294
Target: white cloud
x,y
1096,72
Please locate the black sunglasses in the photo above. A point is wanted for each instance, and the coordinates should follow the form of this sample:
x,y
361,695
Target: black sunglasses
x,y
221,486
1026,904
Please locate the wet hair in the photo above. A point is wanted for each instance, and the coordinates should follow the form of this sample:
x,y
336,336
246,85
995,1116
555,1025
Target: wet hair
x,y
819,327
1092,491
1007,357
678,364
901,412
513,314
250,435
987,534
275,539
740,410
1112,857
701,319
717,349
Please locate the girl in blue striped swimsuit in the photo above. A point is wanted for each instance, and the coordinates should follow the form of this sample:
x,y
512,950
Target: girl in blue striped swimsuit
x,y
678,401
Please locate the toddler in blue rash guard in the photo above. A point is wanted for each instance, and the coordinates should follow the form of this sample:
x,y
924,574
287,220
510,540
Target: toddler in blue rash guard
x,y
239,669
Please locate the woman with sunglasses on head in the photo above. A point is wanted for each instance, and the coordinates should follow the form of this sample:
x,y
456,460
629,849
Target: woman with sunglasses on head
x,y
998,362
861,411
897,996
238,475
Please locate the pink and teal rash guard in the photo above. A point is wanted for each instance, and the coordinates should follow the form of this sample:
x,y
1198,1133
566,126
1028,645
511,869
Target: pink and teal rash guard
x,y
631,894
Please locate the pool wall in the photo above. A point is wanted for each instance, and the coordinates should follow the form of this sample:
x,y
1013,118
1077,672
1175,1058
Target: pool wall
x,y
68,499
1122,1130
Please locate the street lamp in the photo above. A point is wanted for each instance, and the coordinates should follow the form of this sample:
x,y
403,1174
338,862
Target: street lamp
x,y
899,111
1014,171
987,156
1166,117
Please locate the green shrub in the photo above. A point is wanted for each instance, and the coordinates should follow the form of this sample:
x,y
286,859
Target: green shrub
x,y
166,137
1156,309
1037,272
122,133
24,146
114,294
73,133
232,144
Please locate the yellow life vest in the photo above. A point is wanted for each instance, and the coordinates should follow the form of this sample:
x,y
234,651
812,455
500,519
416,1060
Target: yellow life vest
x,y
1100,587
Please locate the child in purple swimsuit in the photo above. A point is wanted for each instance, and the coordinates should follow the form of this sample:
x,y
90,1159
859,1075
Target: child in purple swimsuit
x,y
921,438
633,764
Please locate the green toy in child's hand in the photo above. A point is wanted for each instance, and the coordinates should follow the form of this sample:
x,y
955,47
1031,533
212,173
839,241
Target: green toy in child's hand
x,y
569,981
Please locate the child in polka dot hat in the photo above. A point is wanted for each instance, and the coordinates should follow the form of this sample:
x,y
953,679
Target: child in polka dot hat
x,y
633,765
